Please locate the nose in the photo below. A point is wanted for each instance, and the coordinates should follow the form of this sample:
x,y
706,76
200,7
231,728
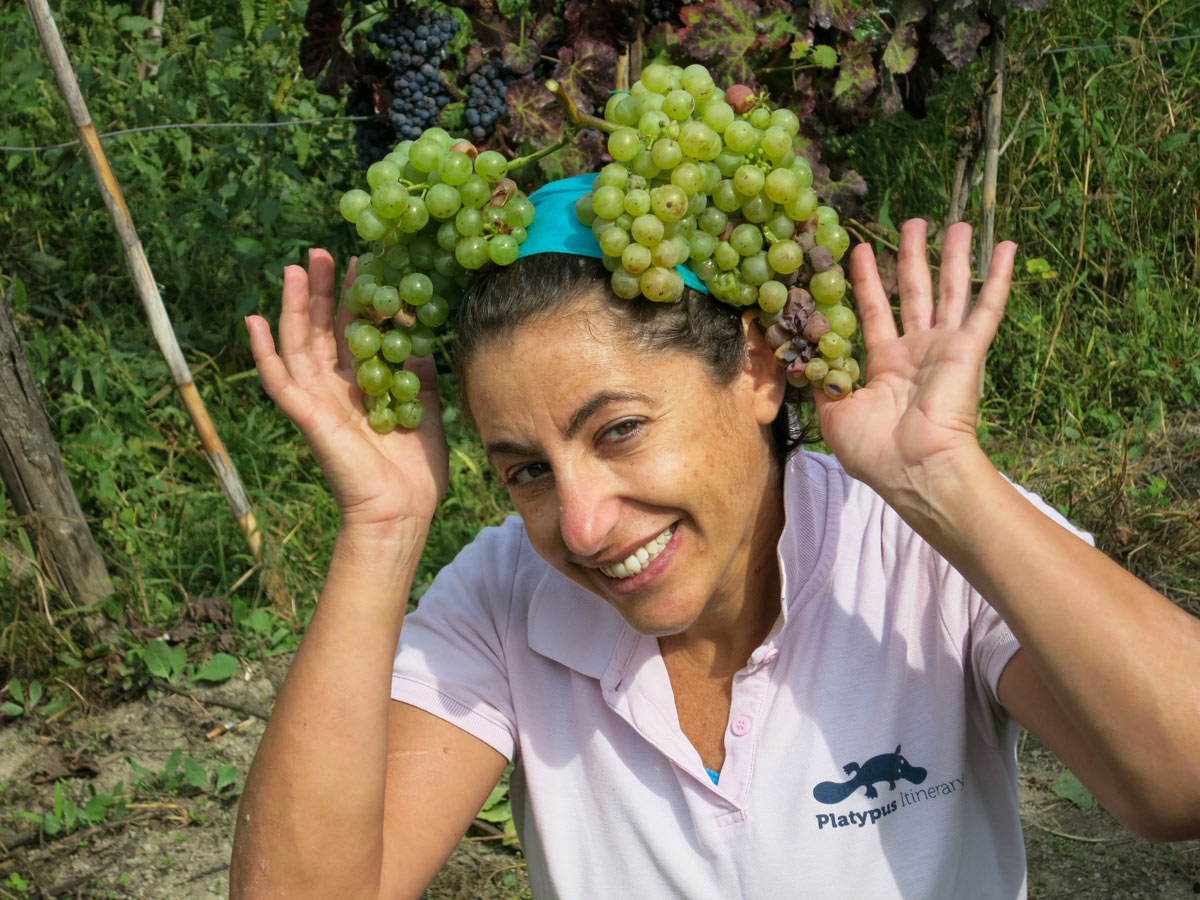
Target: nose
x,y
588,509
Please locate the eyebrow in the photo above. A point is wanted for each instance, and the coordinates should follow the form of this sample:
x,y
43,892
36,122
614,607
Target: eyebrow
x,y
578,419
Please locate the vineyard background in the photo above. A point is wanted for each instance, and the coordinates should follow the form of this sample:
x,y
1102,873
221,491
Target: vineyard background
x,y
1091,398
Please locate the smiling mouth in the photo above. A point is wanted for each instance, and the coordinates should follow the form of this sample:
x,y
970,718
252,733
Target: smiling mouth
x,y
640,558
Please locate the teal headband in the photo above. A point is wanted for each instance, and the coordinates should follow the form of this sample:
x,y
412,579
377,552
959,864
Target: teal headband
x,y
555,228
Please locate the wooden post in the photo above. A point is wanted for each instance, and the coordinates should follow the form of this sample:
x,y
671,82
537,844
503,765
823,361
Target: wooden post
x,y
994,107
36,480
143,278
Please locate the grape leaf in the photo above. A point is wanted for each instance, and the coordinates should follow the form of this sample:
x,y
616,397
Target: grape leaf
x,y
521,58
534,114
585,70
856,75
806,96
847,193
722,34
900,54
607,21
958,33
839,14
909,12
323,22
825,56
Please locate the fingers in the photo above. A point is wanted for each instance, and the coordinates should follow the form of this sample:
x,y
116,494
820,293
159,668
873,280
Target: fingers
x,y
320,306
916,288
989,307
954,280
295,334
274,375
870,299
344,318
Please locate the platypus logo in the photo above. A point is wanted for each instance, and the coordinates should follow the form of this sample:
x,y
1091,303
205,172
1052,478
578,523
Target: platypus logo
x,y
889,767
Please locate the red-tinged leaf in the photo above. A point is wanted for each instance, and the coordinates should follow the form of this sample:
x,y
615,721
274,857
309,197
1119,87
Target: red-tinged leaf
x,y
586,70
323,22
840,14
845,194
806,97
340,72
722,33
587,153
909,12
900,54
958,33
521,58
474,59
856,75
545,29
534,113
607,21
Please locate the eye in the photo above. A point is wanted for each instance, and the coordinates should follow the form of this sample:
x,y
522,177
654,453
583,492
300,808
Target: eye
x,y
622,430
526,474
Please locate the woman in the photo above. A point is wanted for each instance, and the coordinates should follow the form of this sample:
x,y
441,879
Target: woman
x,y
722,673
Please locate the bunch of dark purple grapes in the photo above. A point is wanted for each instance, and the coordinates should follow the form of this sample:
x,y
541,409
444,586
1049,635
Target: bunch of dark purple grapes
x,y
417,41
486,103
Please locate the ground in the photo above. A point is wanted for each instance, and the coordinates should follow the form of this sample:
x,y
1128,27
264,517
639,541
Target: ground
x,y
176,844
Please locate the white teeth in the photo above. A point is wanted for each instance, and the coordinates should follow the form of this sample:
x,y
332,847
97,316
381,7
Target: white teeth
x,y
640,558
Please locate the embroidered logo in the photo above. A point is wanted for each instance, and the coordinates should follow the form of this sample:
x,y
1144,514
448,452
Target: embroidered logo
x,y
889,767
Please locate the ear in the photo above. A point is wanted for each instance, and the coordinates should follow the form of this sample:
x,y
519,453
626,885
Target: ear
x,y
765,378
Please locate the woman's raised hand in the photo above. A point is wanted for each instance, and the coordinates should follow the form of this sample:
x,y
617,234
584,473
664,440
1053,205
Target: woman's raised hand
x,y
377,480
917,409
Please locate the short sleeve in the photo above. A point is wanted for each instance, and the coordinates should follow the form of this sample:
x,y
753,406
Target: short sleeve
x,y
450,660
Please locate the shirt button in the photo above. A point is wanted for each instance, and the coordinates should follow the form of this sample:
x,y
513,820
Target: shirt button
x,y
741,725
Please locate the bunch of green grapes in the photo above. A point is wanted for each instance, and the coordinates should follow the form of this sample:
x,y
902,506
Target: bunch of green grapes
x,y
437,212
712,179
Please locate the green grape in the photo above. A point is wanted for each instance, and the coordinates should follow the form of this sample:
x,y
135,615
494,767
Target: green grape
x,y
456,167
656,78
491,166
842,321
711,174
827,287
666,153
739,136
827,215
651,102
610,108
353,203
695,139
816,369
687,177
474,192
364,289
600,226
439,136
397,257
624,221
757,209
628,109
625,285
647,230
519,212
611,263
686,226
369,226
445,264
435,312
637,202
422,337
679,105
442,200
701,246
653,123
726,198
469,221
396,346
851,368
608,202
706,269
416,288
397,159
386,300
776,142
749,180
584,212
665,255
405,385
447,236
518,234
725,256
746,239
728,162
370,264
712,221
424,154
756,270
772,296
614,241
643,164
373,376
623,144
803,170
635,258
785,257
747,294
659,284
697,82
382,418
760,118
718,115
472,252
415,215
364,341
837,384
782,185
787,120
409,415
804,207
779,227
503,249
614,175
382,172
834,239
422,250
669,203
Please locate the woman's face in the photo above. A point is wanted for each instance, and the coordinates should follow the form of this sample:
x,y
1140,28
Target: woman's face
x,y
636,476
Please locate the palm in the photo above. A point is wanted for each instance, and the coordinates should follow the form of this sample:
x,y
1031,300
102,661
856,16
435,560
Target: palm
x,y
375,478
921,393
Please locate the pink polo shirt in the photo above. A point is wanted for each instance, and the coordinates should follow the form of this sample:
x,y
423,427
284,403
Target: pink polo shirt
x,y
866,753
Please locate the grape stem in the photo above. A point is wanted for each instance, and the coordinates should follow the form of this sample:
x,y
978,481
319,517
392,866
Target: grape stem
x,y
576,115
533,157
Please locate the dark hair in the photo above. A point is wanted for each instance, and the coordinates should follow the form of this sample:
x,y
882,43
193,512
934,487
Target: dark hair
x,y
539,286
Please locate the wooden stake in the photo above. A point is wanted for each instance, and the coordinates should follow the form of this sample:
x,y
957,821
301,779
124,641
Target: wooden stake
x,y
993,110
143,278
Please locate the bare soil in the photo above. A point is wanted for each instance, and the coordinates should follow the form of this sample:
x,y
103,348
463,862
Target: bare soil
x,y
176,845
